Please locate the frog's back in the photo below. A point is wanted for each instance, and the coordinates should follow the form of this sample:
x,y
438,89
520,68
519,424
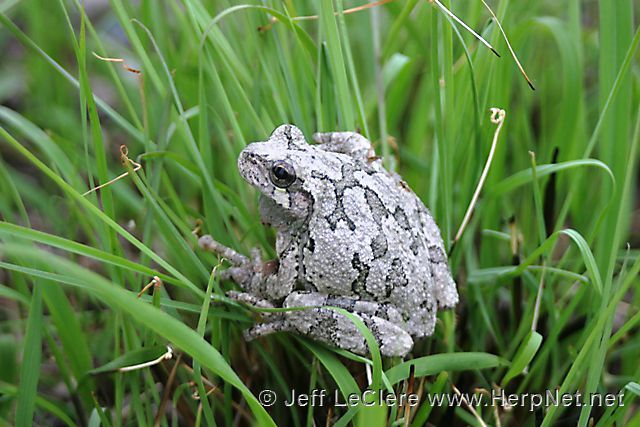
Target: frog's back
x,y
370,236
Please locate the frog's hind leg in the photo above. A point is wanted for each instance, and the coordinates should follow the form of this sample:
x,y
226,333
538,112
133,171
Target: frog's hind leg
x,y
333,328
444,286
317,299
266,328
351,143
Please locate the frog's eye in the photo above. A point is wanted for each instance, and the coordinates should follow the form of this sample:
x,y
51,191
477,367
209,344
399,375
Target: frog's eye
x,y
282,174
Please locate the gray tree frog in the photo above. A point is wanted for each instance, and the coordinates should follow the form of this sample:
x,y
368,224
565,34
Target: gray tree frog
x,y
350,234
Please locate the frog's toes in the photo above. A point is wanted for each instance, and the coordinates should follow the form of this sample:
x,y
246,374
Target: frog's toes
x,y
207,243
240,275
256,255
396,342
250,299
278,324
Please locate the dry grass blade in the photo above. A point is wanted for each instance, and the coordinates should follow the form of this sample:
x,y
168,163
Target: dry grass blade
x,y
346,11
215,390
410,389
124,151
156,281
119,60
497,117
513,54
465,26
166,356
168,387
274,20
469,407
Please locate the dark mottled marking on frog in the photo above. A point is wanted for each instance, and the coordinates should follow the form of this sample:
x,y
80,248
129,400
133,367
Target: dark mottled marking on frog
x,y
379,246
401,218
290,143
311,245
436,254
339,214
378,210
328,324
372,325
380,312
339,301
368,168
306,242
290,196
287,134
427,304
418,242
291,247
396,277
415,244
358,285
319,175
383,311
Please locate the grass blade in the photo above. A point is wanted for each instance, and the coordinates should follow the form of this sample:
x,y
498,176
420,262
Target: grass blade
x,y
31,361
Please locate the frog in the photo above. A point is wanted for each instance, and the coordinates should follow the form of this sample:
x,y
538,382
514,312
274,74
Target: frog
x,y
349,234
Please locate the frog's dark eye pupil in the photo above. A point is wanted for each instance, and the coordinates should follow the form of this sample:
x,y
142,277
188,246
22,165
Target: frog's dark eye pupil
x,y
282,174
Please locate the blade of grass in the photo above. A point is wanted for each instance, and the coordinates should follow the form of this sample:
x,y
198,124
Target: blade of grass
x,y
24,39
31,361
97,212
41,402
434,364
161,323
197,368
525,176
526,352
335,50
81,249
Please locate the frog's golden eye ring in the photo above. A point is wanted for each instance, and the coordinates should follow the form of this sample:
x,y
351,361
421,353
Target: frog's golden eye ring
x,y
282,174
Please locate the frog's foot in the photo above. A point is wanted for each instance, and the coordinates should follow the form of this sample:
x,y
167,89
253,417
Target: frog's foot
x,y
207,243
332,328
250,273
241,272
351,143
266,328
257,302
250,299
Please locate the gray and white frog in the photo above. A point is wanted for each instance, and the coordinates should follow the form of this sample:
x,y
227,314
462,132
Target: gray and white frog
x,y
350,234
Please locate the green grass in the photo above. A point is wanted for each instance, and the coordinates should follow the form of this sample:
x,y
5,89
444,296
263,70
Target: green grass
x,y
547,268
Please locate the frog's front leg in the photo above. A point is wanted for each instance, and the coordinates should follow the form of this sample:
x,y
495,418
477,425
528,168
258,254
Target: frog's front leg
x,y
269,280
250,299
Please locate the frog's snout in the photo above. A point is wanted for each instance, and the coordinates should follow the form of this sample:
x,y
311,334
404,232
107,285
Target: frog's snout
x,y
252,168
248,160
